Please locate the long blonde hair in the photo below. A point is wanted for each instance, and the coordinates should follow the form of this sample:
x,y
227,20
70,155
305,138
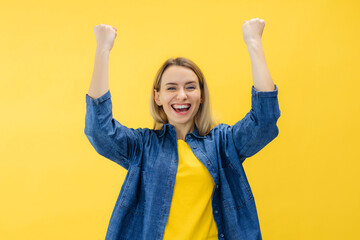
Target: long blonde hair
x,y
203,118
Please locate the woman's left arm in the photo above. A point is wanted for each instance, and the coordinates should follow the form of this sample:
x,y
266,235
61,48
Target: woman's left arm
x,y
252,32
259,126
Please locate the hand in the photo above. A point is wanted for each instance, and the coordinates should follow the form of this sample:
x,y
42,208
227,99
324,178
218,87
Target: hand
x,y
252,30
105,36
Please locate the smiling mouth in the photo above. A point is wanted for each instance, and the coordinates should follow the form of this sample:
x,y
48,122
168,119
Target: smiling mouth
x,y
181,110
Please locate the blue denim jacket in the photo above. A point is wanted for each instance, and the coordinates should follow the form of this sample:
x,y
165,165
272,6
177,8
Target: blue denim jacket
x,y
151,158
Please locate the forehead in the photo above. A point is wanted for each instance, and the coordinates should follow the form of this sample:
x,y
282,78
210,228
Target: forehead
x,y
178,75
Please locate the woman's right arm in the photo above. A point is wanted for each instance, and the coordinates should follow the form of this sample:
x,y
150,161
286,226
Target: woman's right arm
x,y
108,137
100,79
105,36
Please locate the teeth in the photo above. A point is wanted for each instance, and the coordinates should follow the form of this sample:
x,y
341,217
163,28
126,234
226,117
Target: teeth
x,y
181,106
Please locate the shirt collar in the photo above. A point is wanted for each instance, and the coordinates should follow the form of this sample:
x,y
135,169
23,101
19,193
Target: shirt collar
x,y
168,126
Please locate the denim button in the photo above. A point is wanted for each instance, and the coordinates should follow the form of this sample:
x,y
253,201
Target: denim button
x,y
217,186
216,211
222,235
195,147
208,162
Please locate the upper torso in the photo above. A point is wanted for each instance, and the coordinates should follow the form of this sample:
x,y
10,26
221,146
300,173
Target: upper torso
x,y
151,158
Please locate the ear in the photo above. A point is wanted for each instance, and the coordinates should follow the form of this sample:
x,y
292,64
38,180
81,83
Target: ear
x,y
157,98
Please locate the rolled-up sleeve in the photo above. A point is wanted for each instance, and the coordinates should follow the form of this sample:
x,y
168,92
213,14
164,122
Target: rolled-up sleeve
x,y
258,127
109,138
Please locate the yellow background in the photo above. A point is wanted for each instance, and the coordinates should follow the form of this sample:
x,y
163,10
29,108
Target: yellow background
x,y
54,185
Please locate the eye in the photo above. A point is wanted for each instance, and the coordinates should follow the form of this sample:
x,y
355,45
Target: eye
x,y
171,88
191,87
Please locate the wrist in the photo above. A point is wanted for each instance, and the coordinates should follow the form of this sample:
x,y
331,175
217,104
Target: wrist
x,y
102,50
254,43
255,48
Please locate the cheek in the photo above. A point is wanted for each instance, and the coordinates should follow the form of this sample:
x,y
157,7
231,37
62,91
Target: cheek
x,y
168,98
197,97
165,101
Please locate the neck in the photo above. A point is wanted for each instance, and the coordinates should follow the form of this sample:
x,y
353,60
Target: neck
x,y
181,131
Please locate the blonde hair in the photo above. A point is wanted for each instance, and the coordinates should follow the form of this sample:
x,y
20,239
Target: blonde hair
x,y
203,118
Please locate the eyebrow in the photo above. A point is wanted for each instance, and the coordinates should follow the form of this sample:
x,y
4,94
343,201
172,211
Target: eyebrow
x,y
172,83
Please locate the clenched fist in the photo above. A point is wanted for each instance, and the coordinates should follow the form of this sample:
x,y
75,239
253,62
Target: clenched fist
x,y
105,36
253,29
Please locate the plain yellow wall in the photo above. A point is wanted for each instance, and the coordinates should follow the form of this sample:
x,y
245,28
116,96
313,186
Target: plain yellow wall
x,y
54,185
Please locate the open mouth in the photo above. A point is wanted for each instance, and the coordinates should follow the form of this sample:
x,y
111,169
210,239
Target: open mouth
x,y
181,109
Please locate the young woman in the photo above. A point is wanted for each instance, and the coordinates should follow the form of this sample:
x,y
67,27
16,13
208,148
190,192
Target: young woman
x,y
185,177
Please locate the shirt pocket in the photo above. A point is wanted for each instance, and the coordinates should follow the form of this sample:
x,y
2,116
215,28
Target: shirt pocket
x,y
133,191
235,189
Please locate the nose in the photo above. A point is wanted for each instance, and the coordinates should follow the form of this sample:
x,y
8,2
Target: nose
x,y
181,94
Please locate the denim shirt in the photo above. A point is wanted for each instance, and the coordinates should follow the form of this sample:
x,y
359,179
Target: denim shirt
x,y
151,158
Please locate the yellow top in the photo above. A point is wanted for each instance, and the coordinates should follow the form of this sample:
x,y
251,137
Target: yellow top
x,y
190,215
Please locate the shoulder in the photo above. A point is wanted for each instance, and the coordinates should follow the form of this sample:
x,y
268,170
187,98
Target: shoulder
x,y
220,128
149,133
219,131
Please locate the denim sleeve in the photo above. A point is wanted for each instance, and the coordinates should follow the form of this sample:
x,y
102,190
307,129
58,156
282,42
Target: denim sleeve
x,y
109,138
258,127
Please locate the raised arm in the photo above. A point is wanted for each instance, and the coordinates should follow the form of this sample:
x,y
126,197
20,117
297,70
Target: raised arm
x,y
108,137
252,32
105,36
258,127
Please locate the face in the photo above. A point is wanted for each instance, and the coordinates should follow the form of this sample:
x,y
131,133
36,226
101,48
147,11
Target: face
x,y
180,96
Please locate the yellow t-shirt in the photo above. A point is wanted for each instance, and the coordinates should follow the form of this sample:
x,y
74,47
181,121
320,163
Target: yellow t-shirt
x,y
190,215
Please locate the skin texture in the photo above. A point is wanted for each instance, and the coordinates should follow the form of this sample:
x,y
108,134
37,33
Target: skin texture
x,y
180,92
105,36
252,34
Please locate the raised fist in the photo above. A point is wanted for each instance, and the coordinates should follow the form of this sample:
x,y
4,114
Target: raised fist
x,y
253,29
105,36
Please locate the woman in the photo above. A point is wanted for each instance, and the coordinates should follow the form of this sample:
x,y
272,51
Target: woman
x,y
185,177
